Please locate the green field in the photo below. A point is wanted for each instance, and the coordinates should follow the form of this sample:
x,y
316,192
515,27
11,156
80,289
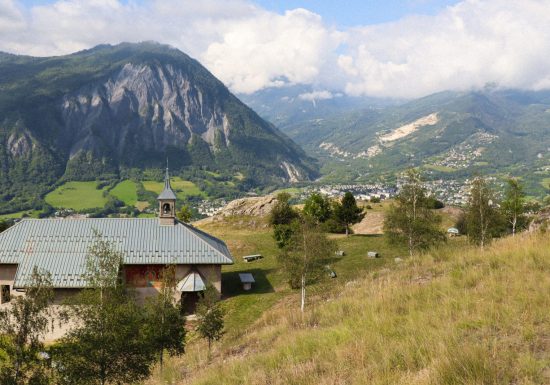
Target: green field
x,y
545,183
126,192
439,168
77,196
20,214
182,188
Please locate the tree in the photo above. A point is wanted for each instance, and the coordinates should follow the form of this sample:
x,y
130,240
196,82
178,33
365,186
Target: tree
x,y
410,220
347,211
210,316
282,213
304,256
281,218
109,342
165,321
23,325
4,225
318,207
513,205
185,214
482,218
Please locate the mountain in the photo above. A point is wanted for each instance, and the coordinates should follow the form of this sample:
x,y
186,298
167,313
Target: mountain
x,y
449,134
113,108
290,105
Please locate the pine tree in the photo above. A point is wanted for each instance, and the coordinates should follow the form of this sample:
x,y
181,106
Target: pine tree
x,y
347,212
410,220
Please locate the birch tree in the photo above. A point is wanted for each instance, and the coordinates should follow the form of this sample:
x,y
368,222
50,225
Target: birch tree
x,y
23,326
165,325
482,217
109,343
410,221
513,205
305,255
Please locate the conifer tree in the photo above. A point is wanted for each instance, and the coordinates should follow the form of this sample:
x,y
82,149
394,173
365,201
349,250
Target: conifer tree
x,y
347,212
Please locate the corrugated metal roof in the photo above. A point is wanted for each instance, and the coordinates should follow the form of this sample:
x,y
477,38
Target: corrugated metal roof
x,y
60,246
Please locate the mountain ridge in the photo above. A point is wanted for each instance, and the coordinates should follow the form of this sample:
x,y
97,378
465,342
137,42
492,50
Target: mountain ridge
x,y
97,111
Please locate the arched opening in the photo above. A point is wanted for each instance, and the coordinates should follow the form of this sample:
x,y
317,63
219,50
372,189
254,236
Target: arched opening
x,y
166,209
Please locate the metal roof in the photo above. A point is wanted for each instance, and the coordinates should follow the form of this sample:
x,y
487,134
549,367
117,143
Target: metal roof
x,y
60,246
167,192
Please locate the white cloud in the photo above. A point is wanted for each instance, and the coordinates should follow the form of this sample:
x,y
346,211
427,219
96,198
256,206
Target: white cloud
x,y
316,95
464,47
249,48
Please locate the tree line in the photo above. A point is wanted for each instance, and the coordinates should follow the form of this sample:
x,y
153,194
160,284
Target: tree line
x,y
112,339
412,222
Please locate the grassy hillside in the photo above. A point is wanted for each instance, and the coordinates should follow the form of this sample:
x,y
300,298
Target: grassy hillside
x,y
77,196
182,188
126,191
452,316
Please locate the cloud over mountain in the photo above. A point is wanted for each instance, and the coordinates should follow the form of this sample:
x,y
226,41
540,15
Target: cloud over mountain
x,y
249,48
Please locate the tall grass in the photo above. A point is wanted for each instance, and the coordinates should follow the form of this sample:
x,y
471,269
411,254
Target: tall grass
x,y
453,316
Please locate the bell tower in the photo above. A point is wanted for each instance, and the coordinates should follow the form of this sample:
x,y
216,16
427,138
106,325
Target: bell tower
x,y
167,203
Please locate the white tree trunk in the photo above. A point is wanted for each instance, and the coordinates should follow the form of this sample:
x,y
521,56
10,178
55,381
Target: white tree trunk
x,y
303,293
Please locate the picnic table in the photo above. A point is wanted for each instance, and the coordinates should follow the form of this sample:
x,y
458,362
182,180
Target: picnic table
x,y
250,258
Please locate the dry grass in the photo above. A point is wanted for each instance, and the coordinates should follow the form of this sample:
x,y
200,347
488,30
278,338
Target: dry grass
x,y
452,316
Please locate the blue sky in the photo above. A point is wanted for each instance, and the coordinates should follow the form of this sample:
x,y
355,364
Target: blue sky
x,y
350,13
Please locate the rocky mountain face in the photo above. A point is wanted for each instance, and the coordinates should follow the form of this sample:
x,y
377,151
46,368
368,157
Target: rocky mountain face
x,y
111,108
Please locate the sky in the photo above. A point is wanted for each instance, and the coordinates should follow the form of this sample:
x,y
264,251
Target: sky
x,y
402,49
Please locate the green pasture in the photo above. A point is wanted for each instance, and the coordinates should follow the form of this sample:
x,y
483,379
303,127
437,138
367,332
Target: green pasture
x,y
182,188
76,196
126,191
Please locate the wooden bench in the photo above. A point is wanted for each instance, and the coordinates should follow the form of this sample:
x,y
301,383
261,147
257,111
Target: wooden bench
x,y
250,258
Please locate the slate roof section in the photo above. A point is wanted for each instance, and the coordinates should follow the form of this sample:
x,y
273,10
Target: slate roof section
x,y
60,246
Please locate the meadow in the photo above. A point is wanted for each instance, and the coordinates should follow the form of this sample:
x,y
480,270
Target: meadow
x,y
182,188
77,196
126,191
453,315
